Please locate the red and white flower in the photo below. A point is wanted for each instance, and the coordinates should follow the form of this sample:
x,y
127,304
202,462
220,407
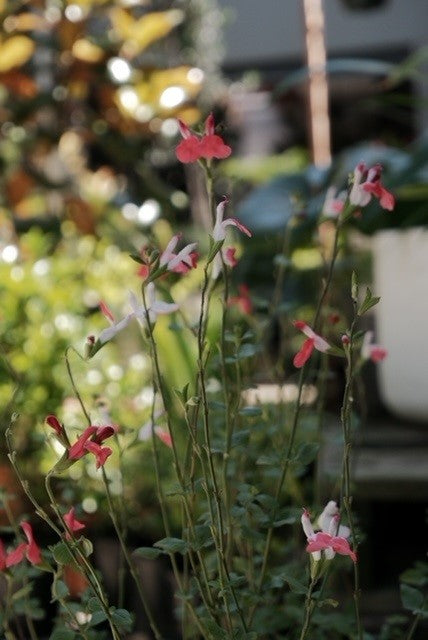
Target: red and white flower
x,y
367,183
328,541
334,203
145,432
154,307
314,341
208,146
372,351
110,332
179,262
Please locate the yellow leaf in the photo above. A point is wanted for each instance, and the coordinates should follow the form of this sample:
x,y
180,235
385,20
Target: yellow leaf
x,y
86,51
14,52
141,33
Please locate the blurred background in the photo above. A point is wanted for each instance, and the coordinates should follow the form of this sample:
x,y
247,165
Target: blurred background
x,y
303,90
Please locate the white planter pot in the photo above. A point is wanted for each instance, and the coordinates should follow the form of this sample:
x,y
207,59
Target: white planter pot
x,y
401,279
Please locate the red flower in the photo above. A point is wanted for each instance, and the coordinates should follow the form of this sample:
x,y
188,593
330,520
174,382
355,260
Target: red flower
x,y
29,549
55,424
91,440
71,521
193,148
243,300
101,453
33,551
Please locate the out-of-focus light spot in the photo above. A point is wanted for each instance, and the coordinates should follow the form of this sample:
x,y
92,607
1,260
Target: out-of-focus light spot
x,y
116,487
195,75
130,211
41,267
149,211
64,322
144,113
100,127
74,13
46,330
59,93
10,253
89,505
119,69
91,298
180,199
113,389
115,372
172,97
17,134
145,398
169,127
138,361
128,98
17,273
53,14
94,377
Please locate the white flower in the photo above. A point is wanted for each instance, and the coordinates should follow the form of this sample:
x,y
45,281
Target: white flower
x,y
154,307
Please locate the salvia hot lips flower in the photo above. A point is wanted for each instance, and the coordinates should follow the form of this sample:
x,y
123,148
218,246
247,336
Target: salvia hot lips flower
x,y
115,327
371,351
226,254
155,307
72,522
330,541
208,146
29,549
314,341
90,441
179,262
367,183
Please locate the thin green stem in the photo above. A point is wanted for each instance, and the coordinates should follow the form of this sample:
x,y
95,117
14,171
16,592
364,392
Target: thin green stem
x,y
286,457
126,554
309,607
346,420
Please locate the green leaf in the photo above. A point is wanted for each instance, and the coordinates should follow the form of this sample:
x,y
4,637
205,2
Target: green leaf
x,y
94,605
306,452
87,546
97,618
369,302
123,620
62,554
172,545
62,634
412,598
295,585
147,552
59,590
216,632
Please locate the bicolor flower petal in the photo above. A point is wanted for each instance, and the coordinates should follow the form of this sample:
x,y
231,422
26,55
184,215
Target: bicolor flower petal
x,y
219,231
367,183
314,341
154,307
372,351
